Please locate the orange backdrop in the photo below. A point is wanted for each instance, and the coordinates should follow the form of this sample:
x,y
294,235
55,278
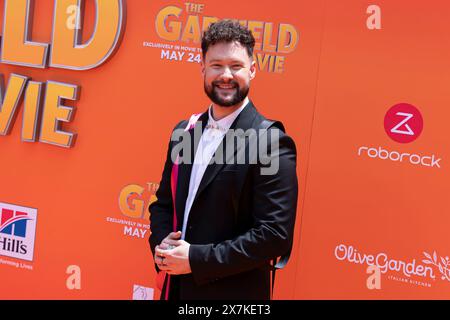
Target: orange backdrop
x,y
331,88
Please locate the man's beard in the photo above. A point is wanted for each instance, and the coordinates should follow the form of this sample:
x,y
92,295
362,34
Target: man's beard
x,y
237,97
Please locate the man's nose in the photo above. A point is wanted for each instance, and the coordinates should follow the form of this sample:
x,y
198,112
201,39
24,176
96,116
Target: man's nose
x,y
226,74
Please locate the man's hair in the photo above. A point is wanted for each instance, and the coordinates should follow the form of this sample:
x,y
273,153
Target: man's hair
x,y
228,31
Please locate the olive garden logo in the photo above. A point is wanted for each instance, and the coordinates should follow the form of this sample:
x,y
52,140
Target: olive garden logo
x,y
430,267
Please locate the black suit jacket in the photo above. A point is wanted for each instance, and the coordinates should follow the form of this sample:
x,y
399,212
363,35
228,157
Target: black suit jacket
x,y
239,220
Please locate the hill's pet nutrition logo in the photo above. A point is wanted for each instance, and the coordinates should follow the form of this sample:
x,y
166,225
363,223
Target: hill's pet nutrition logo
x,y
17,231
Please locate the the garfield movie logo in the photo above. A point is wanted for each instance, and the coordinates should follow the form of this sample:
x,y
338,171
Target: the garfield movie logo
x,y
180,26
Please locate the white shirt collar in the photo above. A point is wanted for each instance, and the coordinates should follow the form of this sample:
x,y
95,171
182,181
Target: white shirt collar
x,y
226,122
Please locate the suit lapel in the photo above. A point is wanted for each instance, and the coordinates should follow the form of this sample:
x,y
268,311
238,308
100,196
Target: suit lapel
x,y
184,172
243,121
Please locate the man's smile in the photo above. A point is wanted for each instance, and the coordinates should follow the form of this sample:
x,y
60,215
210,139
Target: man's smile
x,y
225,87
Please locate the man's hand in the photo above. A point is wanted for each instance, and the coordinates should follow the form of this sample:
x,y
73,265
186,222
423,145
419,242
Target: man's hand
x,y
172,255
165,246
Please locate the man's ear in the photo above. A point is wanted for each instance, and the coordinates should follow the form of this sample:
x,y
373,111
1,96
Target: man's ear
x,y
252,69
202,68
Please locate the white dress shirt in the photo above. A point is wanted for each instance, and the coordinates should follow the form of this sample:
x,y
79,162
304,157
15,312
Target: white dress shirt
x,y
209,142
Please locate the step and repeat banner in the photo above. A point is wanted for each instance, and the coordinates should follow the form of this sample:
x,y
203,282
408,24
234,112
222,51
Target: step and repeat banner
x,y
90,91
377,182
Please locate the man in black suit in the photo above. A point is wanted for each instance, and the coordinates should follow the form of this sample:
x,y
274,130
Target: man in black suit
x,y
223,215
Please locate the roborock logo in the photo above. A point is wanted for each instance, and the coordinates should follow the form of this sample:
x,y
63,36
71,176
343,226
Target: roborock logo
x,y
403,123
